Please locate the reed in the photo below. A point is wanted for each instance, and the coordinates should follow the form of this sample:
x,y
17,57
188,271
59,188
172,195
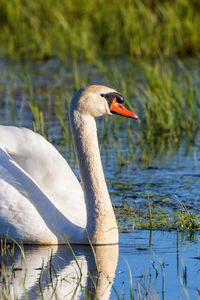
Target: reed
x,y
165,94
89,28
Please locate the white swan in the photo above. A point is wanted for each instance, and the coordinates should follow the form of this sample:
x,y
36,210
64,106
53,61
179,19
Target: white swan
x,y
41,200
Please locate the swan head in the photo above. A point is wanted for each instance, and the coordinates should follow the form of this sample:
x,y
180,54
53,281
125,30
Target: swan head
x,y
99,100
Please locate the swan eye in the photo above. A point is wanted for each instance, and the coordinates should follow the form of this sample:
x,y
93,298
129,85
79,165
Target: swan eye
x,y
120,98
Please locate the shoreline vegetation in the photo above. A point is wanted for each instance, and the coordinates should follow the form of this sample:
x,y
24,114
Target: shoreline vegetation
x,y
164,94
89,29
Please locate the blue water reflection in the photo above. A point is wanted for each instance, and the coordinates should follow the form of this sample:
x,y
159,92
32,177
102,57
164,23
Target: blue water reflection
x,y
162,264
167,264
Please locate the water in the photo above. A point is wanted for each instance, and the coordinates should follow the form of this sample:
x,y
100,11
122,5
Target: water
x,y
162,262
165,263
169,182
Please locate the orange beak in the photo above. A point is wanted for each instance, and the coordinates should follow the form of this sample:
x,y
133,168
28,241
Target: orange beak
x,y
119,109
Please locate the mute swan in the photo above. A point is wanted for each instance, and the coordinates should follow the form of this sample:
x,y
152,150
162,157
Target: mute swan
x,y
41,200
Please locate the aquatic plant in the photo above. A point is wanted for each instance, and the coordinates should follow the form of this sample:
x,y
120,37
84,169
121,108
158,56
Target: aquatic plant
x,y
92,28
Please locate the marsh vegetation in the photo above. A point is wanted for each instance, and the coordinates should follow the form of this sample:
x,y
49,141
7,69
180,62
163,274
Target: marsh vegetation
x,y
147,28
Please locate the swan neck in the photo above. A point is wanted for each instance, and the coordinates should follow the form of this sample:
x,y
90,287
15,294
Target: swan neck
x,y
101,221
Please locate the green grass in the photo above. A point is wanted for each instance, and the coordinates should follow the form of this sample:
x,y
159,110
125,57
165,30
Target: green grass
x,y
81,28
157,217
164,94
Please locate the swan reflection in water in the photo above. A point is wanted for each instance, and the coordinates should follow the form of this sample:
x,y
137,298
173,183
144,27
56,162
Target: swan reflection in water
x,y
51,272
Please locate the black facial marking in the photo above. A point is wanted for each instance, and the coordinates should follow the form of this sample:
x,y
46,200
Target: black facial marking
x,y
111,96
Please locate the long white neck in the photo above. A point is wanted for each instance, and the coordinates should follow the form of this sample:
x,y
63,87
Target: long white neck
x,y
101,221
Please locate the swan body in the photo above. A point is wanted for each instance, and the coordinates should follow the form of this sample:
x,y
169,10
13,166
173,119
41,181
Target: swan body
x,y
41,200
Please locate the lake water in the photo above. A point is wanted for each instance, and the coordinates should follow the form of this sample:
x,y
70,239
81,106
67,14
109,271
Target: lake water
x,y
165,265
161,263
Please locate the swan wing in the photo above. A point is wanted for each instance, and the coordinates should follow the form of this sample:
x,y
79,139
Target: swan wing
x,y
36,170
28,214
19,217
40,159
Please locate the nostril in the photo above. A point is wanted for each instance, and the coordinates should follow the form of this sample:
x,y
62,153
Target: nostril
x,y
121,106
